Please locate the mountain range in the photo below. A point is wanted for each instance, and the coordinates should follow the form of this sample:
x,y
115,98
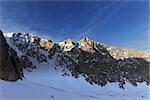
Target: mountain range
x,y
98,63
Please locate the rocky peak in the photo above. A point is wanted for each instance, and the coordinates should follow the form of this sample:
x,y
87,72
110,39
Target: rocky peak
x,y
46,44
87,45
67,45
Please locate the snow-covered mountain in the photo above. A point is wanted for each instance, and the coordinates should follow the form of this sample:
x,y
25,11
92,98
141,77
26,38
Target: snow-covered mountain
x,y
82,70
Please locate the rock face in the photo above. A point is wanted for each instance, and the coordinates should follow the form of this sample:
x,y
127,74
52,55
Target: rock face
x,y
46,44
35,39
87,45
9,62
66,45
30,46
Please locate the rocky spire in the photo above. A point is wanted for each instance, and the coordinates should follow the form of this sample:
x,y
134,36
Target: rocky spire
x,y
67,45
87,45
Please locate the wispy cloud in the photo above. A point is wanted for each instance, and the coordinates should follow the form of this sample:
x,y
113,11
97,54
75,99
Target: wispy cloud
x,y
99,18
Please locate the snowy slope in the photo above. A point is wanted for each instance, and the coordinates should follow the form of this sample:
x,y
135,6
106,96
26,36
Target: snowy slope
x,y
46,83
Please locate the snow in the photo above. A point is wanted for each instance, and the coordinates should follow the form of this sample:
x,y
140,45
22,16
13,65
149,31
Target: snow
x,y
45,83
8,34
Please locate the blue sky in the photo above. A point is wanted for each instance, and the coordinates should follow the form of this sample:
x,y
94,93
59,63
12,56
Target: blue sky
x,y
116,23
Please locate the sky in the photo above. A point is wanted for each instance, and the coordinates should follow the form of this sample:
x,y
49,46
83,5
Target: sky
x,y
116,23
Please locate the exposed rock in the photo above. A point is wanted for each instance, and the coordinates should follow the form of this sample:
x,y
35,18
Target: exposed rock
x,y
10,68
35,39
135,70
46,44
67,45
25,62
32,52
55,49
29,45
87,45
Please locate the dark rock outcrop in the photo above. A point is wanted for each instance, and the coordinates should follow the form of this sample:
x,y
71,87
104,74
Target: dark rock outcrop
x,y
98,66
25,62
10,68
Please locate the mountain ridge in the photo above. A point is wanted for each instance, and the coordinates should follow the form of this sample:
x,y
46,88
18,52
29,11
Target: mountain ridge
x,y
9,34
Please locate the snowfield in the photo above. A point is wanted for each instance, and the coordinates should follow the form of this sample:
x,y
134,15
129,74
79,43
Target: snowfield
x,y
46,83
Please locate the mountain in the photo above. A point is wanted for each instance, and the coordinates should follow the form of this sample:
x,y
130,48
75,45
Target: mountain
x,y
83,70
97,62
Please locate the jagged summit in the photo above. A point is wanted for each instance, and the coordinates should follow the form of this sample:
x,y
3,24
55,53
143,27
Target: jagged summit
x,y
87,44
85,39
67,45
